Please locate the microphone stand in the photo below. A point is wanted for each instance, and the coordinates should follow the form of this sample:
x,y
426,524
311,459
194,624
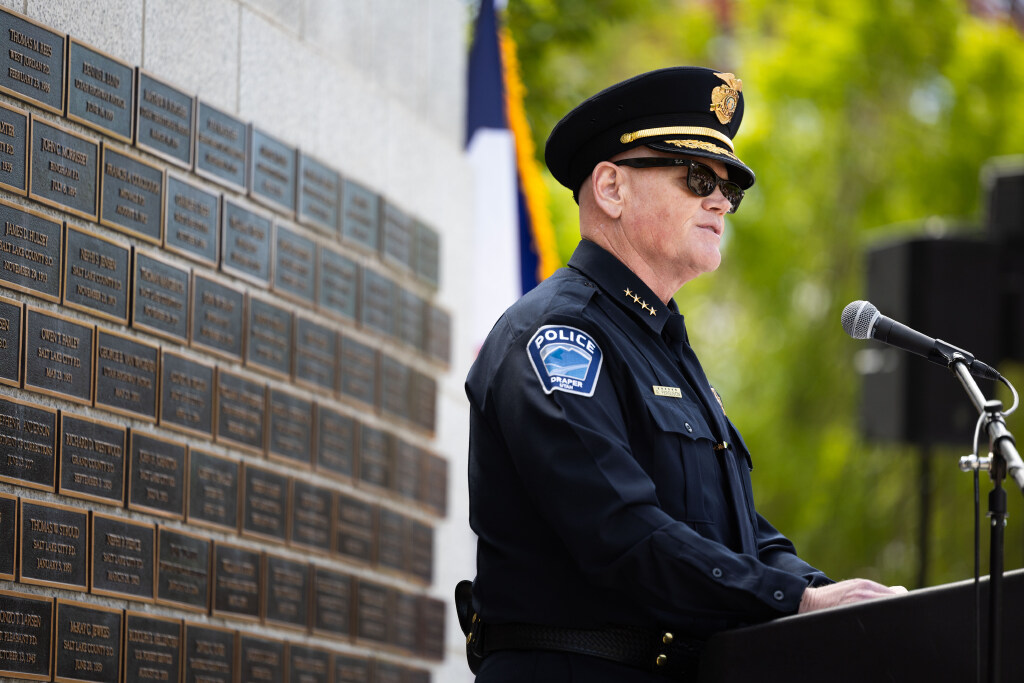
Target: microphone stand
x,y
1005,460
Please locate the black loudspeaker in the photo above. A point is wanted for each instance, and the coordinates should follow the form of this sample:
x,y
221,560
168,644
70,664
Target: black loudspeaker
x,y
1003,186
944,288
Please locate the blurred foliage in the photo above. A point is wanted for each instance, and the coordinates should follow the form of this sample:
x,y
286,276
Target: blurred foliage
x,y
864,121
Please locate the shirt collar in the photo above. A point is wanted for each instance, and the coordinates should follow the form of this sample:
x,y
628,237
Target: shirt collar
x,y
622,285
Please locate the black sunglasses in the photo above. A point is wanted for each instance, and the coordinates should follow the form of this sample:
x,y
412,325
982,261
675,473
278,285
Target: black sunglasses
x,y
701,178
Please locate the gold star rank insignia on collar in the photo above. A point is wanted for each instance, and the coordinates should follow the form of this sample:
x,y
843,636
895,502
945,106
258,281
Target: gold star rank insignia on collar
x,y
630,294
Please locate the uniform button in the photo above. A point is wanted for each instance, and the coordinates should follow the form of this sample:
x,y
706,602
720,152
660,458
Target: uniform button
x,y
716,572
688,427
778,595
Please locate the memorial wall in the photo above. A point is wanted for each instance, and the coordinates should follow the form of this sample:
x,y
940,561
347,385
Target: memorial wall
x,y
220,360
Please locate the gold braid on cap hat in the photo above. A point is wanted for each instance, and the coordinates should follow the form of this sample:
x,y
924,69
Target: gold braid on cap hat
x,y
627,138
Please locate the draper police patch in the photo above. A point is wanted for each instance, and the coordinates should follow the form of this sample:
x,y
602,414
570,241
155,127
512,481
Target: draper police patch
x,y
565,359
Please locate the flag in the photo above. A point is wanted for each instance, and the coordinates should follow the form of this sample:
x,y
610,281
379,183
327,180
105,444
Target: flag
x,y
514,245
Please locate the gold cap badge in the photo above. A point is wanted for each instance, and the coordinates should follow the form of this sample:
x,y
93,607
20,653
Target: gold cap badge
x,y
725,98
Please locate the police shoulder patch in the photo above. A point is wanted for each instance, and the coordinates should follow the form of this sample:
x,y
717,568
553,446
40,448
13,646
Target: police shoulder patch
x,y
565,359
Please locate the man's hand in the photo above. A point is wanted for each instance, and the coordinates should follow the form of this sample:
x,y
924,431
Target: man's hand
x,y
845,593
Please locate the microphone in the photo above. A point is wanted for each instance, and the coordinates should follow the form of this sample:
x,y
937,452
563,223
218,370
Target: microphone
x,y
861,320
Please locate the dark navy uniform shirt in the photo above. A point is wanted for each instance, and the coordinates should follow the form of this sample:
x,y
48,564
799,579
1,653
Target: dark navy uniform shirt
x,y
601,486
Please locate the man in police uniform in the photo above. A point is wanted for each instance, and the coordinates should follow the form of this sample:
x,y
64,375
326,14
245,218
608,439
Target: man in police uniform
x,y
610,493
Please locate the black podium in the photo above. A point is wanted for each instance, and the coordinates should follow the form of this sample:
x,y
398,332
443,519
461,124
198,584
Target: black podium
x,y
926,635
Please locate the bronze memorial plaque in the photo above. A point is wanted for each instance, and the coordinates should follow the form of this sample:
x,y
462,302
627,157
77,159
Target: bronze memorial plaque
x,y
398,238
374,457
439,334
395,380
423,400
123,557
408,459
272,171
308,664
183,570
421,551
260,659
237,577
152,648
434,493
101,91
355,529
335,442
126,375
164,121
32,63
28,446
337,291
269,338
221,147
377,307
209,654
265,504
161,297
212,490
332,603
285,592
373,612
351,669
358,363
186,394
26,629
360,216
96,274
411,319
392,541
58,356
92,459
63,169
11,327
246,237
404,626
316,354
54,544
13,149
31,246
428,255
289,428
88,643
156,478
241,409
8,536
294,265
431,631
312,507
319,195
192,221
131,196
388,672
218,310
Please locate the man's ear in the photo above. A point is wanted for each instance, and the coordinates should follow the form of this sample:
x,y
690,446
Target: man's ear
x,y
606,182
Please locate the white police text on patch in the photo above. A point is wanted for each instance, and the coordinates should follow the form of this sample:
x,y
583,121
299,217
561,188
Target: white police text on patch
x,y
565,334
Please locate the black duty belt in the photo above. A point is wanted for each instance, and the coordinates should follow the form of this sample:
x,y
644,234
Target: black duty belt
x,y
660,652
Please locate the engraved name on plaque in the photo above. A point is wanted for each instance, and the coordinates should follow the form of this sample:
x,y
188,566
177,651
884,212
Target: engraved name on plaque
x,y
126,375
32,62
96,274
373,612
332,603
123,555
8,536
156,480
164,119
152,648
161,297
376,310
31,246
237,576
26,623
265,504
335,442
432,618
260,659
218,310
286,592
213,491
294,265
221,147
63,169
241,409
358,371
428,255
131,198
92,459
54,545
13,149
246,237
101,91
407,459
28,454
58,356
209,654
309,664
183,570
186,394
392,540
423,400
394,387
289,428
337,284
355,529
360,216
434,493
411,319
403,627
272,174
269,338
192,217
374,457
312,507
319,195
88,641
11,326
398,238
421,551
316,354
351,669
439,331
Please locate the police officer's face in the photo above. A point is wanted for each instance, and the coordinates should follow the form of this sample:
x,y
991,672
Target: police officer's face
x,y
676,232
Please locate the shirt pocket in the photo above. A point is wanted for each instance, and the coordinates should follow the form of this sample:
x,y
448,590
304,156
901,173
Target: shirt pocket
x,y
685,471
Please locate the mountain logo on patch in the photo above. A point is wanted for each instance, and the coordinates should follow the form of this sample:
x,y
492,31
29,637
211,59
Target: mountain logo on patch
x,y
565,359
